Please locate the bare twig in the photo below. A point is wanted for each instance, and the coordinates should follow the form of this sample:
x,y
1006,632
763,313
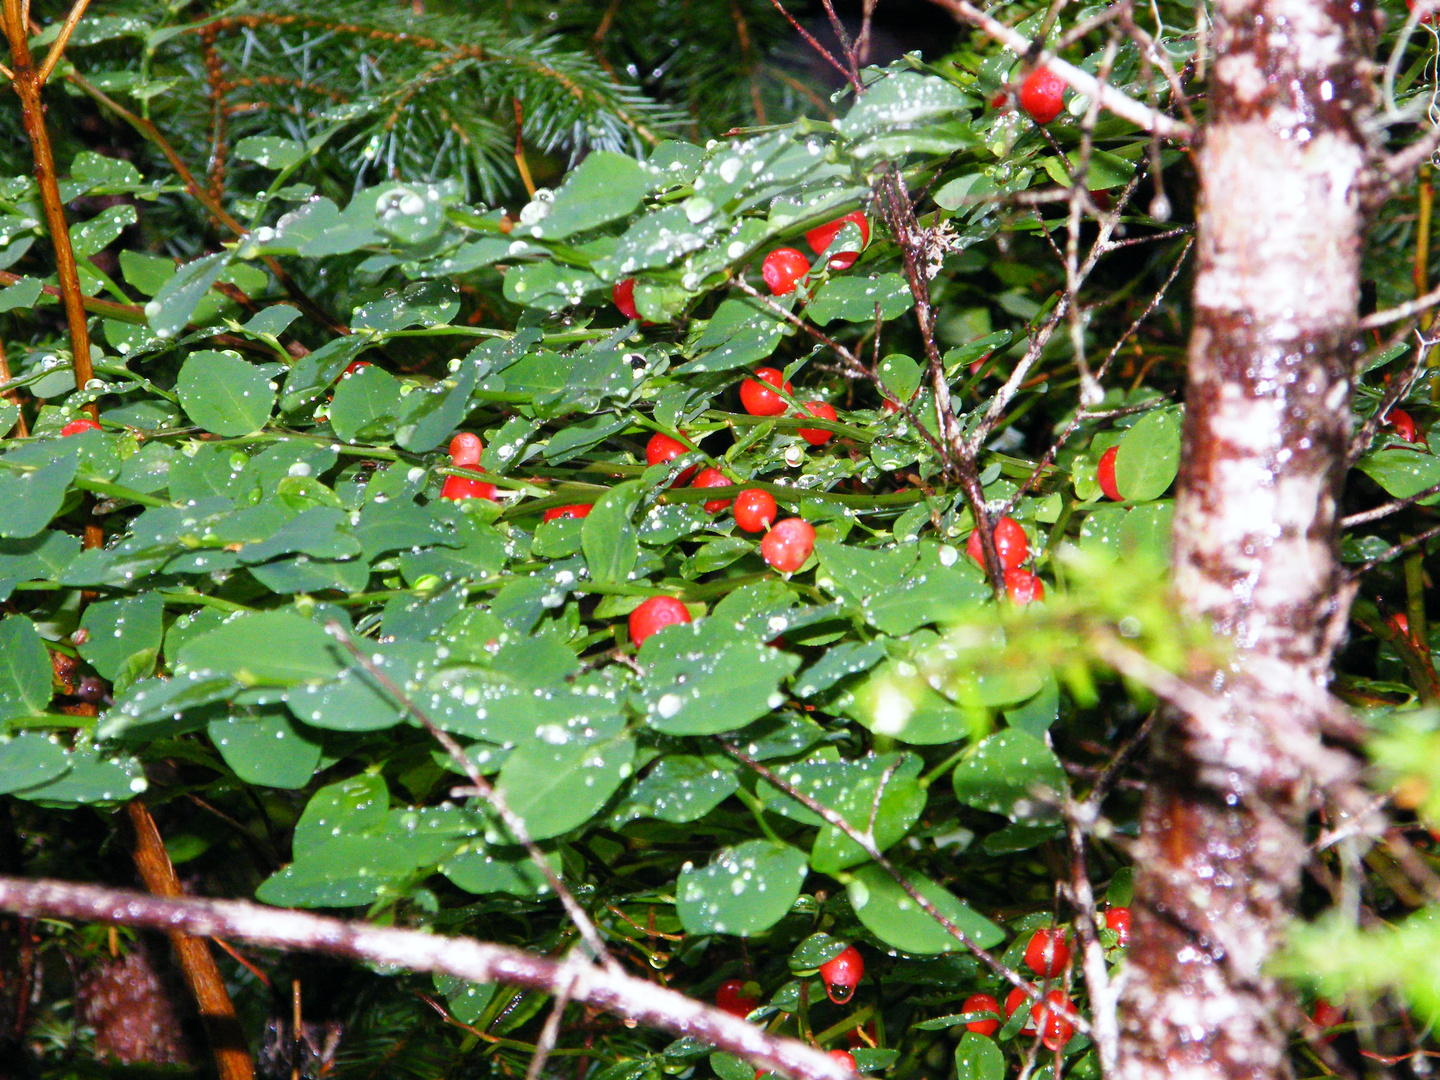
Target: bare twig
x,y
57,49
483,789
867,844
1375,513
416,950
1120,104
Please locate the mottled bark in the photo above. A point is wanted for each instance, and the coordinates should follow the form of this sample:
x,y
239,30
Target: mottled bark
x,y
1267,418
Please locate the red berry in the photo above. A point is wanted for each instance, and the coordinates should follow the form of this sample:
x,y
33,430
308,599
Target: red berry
x,y
754,509
1054,1017
1010,544
1327,1016
354,366
1118,920
1403,424
782,268
730,997
1047,954
1016,999
1105,474
890,405
845,1058
1023,587
655,614
1401,623
788,544
1429,16
624,296
465,449
1042,95
711,477
982,1003
662,448
465,487
842,974
823,236
75,427
576,510
824,411
758,394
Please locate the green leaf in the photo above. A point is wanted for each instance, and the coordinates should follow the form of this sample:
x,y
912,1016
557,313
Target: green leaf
x,y
897,701
901,376
700,679
366,406
123,636
854,298
265,748
978,1057
557,787
890,914
603,188
175,303
271,648
499,870
885,819
89,778
679,788
425,303
22,294
24,669
608,536
1014,774
901,102
1402,471
271,152
29,759
225,394
902,588
744,890
31,499
1149,456
740,332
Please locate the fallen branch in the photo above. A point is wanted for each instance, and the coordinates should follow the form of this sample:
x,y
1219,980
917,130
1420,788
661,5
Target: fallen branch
x,y
416,950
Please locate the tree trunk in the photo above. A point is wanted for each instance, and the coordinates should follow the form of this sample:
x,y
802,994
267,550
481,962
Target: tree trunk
x,y
1267,422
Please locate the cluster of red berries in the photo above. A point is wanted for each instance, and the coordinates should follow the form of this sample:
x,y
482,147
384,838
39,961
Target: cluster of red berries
x,y
1013,548
1052,1014
783,268
839,975
465,454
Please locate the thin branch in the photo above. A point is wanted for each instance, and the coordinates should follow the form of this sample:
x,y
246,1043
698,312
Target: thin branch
x,y
417,950
1361,440
484,789
1400,312
1394,552
1082,415
824,53
1119,103
1375,513
867,844
57,49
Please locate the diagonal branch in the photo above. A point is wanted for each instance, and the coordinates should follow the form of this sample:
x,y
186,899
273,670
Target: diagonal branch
x,y
484,789
417,950
1119,103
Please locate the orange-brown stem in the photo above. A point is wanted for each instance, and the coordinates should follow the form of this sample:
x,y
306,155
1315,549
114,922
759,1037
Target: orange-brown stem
x,y
232,1059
